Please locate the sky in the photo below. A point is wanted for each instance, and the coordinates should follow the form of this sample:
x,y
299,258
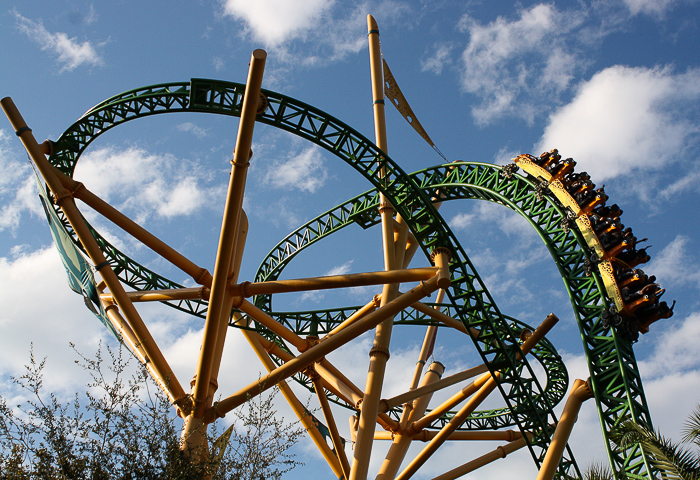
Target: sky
x,y
613,84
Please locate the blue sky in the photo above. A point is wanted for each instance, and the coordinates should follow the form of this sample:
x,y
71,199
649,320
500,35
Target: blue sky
x,y
613,84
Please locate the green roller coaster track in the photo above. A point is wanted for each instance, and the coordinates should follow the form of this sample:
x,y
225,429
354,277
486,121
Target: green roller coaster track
x,y
614,376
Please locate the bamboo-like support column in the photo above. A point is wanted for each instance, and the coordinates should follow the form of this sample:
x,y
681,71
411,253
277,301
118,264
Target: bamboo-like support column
x,y
164,295
436,314
498,453
255,341
471,435
248,289
264,319
450,403
371,306
127,336
318,351
333,380
448,429
193,439
402,441
330,423
580,392
336,381
401,235
439,385
427,346
228,303
379,354
472,403
64,199
79,191
229,232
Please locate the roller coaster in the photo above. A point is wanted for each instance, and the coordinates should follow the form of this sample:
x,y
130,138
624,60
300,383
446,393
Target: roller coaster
x,y
596,255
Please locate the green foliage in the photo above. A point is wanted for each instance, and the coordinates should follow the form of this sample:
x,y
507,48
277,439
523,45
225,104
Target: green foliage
x,y
598,471
123,428
672,459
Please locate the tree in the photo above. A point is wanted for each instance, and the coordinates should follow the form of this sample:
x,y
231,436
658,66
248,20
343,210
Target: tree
x,y
123,428
673,459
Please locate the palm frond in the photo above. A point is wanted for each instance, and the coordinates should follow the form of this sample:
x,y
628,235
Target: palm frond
x,y
598,471
691,430
670,458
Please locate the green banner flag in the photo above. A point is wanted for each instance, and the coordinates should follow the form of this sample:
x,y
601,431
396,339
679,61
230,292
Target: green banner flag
x,y
80,277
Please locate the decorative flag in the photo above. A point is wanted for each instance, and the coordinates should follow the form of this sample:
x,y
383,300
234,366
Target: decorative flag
x,y
393,93
80,277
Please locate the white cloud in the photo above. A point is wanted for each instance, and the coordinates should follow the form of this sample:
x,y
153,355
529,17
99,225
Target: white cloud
x,y
461,221
686,182
627,118
218,63
25,200
192,128
70,52
438,59
341,269
328,29
142,183
656,8
17,185
510,65
674,265
276,21
39,308
305,171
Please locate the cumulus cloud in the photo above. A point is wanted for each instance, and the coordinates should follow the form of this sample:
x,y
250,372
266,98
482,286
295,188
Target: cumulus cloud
x,y
275,21
69,51
39,308
192,128
306,172
142,183
330,30
655,8
17,185
509,65
461,221
675,265
438,59
627,118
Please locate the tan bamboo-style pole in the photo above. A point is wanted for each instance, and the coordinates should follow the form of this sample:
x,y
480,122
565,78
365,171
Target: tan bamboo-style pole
x,y
379,354
450,403
479,435
277,328
371,306
164,295
257,342
65,201
336,381
247,289
318,351
496,454
333,380
459,418
330,423
448,429
411,395
228,303
229,232
402,441
427,346
580,392
79,191
442,318
127,336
